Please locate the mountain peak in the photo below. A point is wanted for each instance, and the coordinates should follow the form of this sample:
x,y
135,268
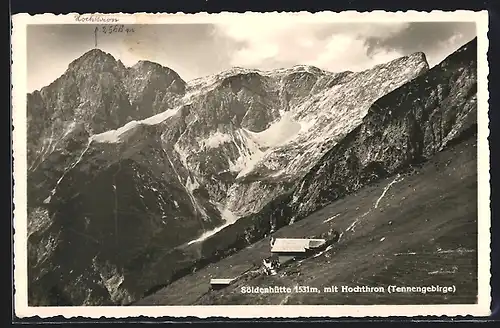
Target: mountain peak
x,y
416,60
146,68
416,57
96,52
93,56
150,65
419,55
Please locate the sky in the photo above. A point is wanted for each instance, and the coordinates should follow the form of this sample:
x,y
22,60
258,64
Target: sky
x,y
197,50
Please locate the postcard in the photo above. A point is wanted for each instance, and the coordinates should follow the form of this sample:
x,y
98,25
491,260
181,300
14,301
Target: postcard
x,y
244,165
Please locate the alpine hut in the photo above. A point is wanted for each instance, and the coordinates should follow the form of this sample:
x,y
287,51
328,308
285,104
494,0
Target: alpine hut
x,y
292,248
220,283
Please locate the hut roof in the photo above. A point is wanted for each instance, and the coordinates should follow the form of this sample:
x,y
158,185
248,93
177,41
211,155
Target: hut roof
x,y
295,245
224,281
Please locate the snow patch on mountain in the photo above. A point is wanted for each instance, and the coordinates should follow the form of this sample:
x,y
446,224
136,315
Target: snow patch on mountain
x,y
191,185
207,234
277,133
396,180
215,140
250,154
228,217
115,136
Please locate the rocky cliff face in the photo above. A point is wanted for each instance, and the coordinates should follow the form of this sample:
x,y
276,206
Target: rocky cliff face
x,y
403,128
127,166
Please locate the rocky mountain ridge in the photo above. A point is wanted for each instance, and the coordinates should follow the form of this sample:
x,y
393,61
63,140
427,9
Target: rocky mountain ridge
x,y
241,126
133,164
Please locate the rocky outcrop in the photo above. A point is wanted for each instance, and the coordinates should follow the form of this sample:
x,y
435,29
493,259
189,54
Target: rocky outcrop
x,y
152,88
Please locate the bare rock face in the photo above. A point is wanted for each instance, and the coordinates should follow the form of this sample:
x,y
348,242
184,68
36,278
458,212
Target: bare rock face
x,y
98,92
309,126
401,129
129,166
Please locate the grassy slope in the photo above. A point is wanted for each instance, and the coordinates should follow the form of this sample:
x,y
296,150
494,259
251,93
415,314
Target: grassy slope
x,y
428,220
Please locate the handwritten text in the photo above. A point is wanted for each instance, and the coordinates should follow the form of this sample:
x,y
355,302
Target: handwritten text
x,y
95,19
109,29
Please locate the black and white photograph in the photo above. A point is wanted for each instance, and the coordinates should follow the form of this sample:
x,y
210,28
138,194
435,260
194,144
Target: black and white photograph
x,y
191,162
